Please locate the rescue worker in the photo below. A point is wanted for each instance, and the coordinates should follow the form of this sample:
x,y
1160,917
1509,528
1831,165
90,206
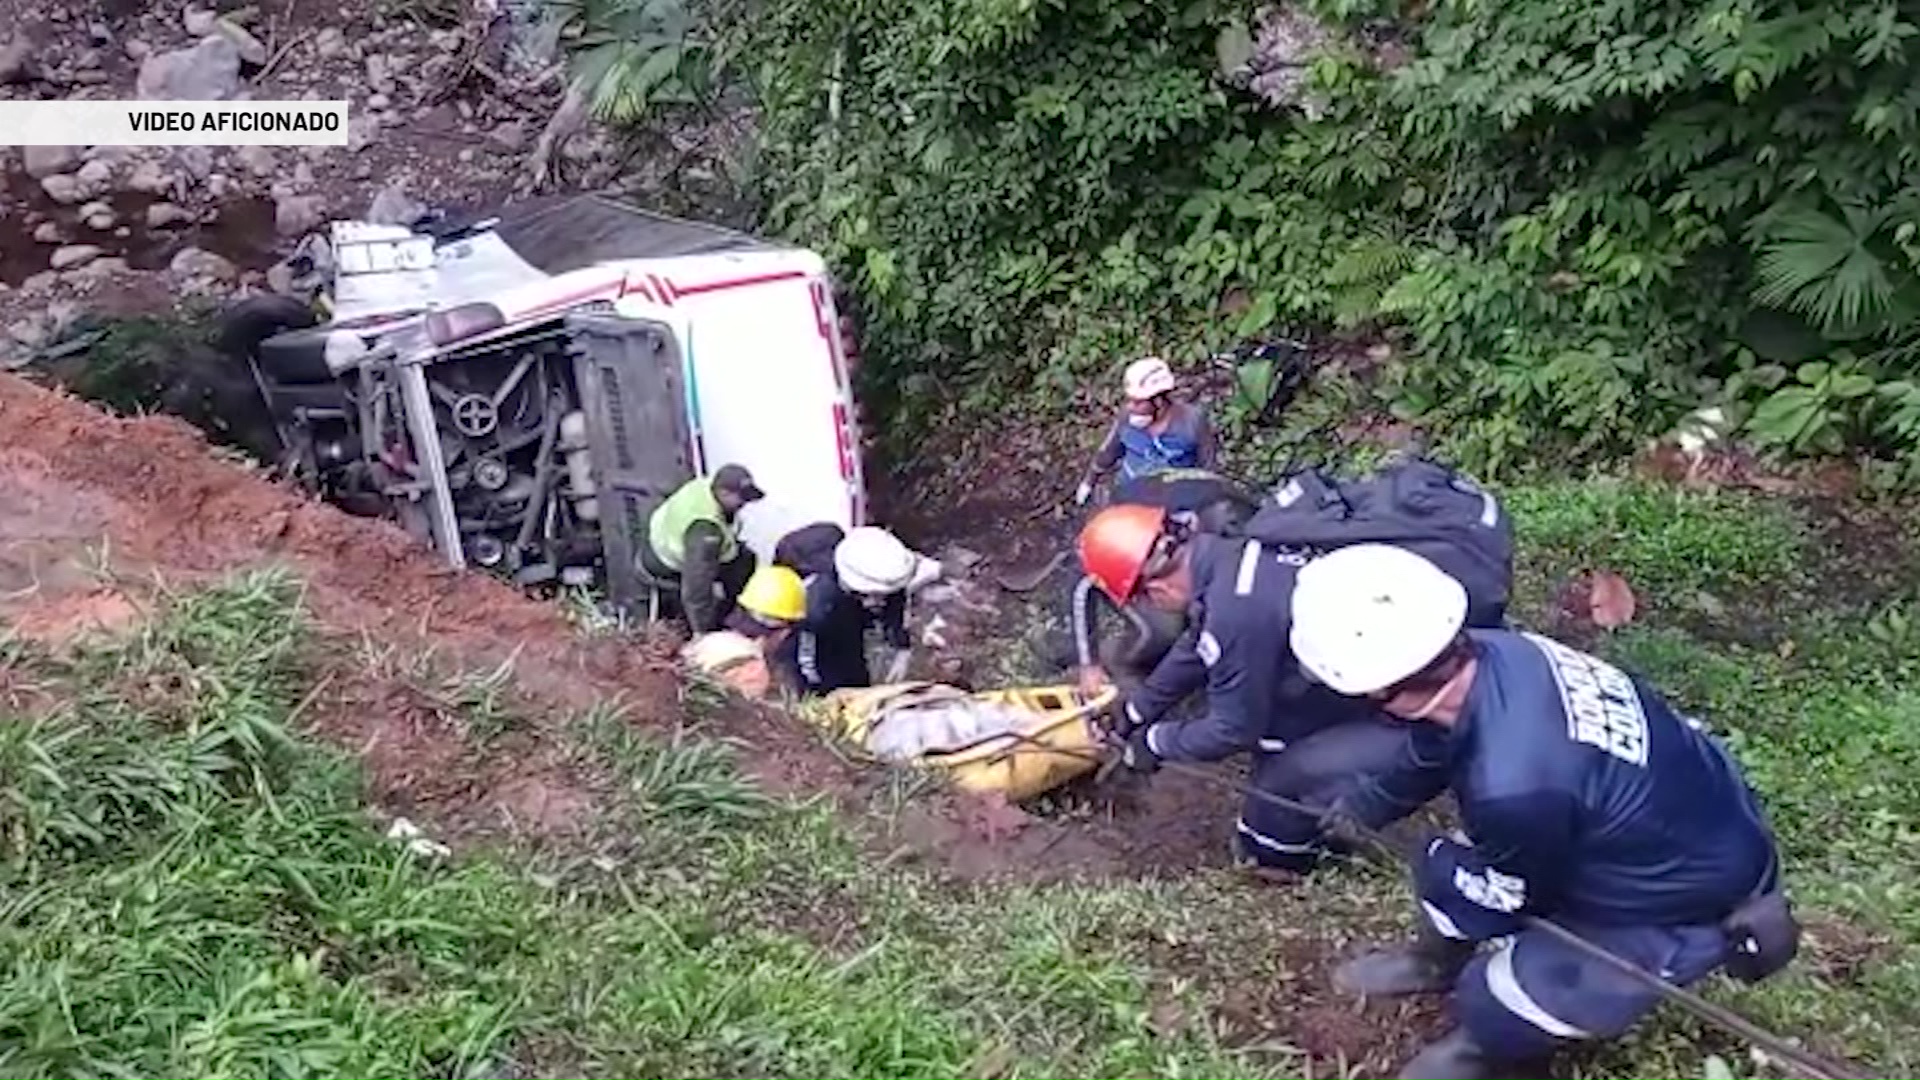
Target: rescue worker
x,y
809,548
866,586
1153,432
694,538
1109,554
1586,799
771,605
1308,743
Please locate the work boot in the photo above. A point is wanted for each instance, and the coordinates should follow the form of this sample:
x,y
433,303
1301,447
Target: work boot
x,y
1456,1056
1428,965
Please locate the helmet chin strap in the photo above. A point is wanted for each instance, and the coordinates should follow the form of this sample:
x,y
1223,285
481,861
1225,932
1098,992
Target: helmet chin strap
x,y
1433,700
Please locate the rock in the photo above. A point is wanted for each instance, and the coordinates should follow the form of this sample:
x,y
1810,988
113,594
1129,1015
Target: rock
x,y
297,215
510,136
393,206
196,161
194,263
360,132
219,187
210,71
31,333
112,155
939,594
44,281
104,267
47,233
257,160
250,48
148,178
99,216
199,22
43,161
377,76
16,61
965,558
136,49
72,255
99,34
95,177
62,189
379,102
303,175
329,43
166,215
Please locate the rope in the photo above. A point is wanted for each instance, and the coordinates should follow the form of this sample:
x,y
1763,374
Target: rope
x,y
1814,1066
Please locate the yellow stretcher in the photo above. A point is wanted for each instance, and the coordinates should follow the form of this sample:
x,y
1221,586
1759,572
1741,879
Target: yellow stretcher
x,y
966,735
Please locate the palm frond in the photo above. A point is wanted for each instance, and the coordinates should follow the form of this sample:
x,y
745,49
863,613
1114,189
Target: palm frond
x,y
1827,268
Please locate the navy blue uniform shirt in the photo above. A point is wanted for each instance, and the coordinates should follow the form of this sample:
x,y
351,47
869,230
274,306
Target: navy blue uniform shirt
x,y
1586,796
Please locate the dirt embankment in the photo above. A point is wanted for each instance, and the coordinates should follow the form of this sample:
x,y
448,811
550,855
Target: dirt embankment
x,y
99,508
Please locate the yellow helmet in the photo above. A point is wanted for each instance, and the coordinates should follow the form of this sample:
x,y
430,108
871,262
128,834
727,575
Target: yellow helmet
x,y
775,594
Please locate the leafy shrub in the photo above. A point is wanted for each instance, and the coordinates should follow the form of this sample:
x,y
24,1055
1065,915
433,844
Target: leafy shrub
x,y
1590,220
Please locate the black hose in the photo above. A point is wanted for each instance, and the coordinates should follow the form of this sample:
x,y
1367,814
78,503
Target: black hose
x,y
542,474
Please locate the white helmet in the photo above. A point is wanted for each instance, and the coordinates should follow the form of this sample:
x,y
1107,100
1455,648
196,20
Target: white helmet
x,y
1148,378
873,562
1368,616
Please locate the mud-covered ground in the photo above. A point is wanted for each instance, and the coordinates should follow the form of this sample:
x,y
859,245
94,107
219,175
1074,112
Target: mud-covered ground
x,y
105,517
147,500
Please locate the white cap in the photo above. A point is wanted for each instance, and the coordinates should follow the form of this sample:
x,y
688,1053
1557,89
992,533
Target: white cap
x,y
872,561
1148,378
1368,616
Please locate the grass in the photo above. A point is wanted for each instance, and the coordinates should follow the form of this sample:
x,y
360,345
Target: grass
x,y
1819,703
191,887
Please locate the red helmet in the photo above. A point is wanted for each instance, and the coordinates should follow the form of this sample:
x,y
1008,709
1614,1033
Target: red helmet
x,y
1115,545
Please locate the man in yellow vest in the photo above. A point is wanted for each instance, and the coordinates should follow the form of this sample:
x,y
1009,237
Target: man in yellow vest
x,y
695,537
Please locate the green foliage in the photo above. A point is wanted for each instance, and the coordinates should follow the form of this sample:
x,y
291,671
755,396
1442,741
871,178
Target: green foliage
x,y
634,56
1573,209
187,888
238,914
1671,545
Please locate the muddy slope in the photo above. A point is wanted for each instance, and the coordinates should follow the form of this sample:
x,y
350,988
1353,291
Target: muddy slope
x,y
90,499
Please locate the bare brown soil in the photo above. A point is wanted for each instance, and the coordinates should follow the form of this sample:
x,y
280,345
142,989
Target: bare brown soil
x,y
99,514
101,510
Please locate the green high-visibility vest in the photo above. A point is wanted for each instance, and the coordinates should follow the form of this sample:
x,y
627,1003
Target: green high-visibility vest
x,y
694,502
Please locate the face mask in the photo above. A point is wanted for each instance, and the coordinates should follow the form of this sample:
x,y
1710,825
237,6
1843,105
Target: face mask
x,y
1139,420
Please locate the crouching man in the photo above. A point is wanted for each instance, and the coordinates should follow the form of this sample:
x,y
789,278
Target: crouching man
x,y
1586,799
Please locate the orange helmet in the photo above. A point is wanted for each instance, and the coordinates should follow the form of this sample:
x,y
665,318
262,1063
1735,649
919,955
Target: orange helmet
x,y
1115,546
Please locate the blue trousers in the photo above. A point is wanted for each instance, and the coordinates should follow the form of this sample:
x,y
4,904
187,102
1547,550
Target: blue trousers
x,y
1383,768
1535,994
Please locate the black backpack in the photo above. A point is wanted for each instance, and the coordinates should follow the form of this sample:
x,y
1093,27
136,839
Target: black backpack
x,y
808,550
1413,503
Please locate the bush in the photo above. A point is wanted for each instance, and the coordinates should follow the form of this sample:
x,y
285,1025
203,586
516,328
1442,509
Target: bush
x,y
1589,221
